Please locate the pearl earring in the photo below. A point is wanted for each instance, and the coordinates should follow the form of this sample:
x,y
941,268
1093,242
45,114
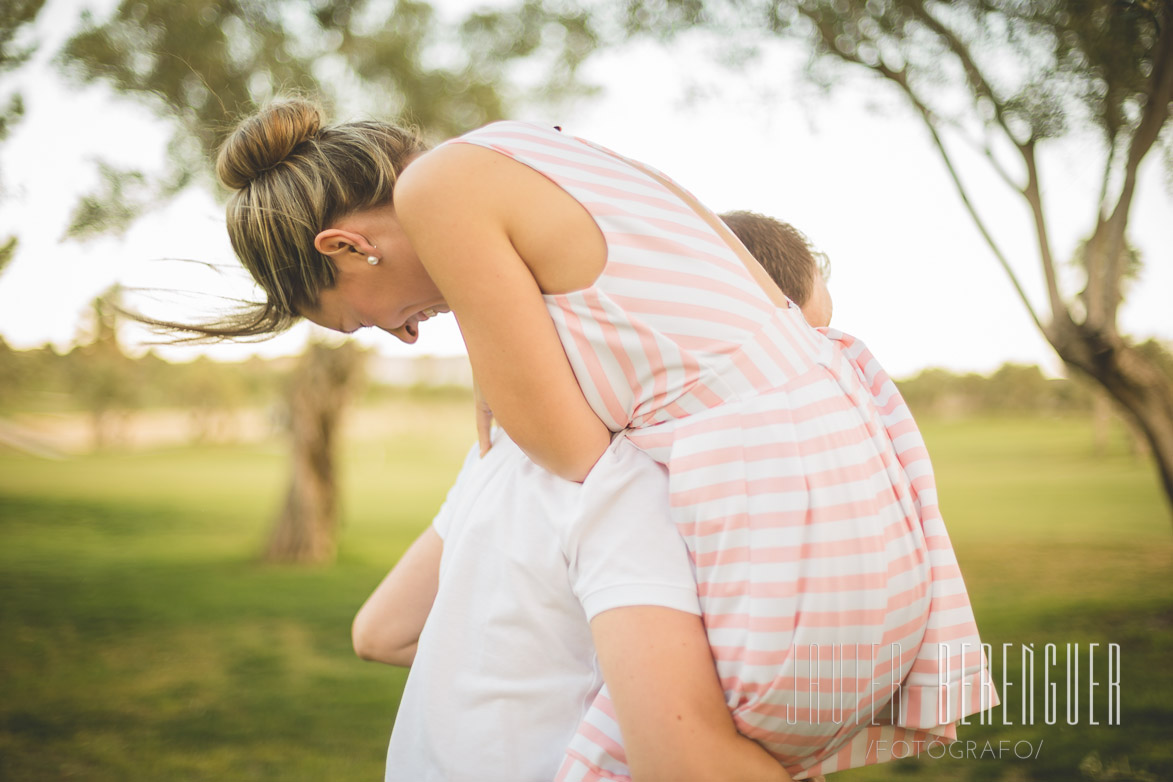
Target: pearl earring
x,y
372,260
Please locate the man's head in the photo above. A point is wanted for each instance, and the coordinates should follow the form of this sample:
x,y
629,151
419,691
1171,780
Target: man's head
x,y
788,258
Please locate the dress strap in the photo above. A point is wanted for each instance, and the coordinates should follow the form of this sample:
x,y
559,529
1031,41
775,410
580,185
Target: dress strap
x,y
759,274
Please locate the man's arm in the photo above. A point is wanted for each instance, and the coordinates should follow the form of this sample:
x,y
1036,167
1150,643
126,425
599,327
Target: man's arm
x,y
387,627
668,701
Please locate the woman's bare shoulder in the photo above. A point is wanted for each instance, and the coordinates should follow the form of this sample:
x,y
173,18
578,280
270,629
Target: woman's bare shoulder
x,y
450,176
478,188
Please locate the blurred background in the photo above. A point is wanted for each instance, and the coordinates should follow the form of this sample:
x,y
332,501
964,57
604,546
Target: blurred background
x,y
991,182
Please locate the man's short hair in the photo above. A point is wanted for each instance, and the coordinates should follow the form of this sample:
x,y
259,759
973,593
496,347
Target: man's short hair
x,y
781,249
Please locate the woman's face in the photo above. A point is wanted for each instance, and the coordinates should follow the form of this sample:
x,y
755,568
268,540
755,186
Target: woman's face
x,y
395,295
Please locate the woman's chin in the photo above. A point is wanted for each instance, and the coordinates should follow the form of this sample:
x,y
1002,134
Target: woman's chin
x,y
407,333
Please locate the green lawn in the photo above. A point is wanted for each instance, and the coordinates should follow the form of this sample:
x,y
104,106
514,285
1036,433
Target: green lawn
x,y
141,640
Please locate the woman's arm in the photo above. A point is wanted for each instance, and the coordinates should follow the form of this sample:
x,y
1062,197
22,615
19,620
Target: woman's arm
x,y
387,627
458,205
668,701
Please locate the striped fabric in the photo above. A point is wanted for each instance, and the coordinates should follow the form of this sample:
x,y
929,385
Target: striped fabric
x,y
833,603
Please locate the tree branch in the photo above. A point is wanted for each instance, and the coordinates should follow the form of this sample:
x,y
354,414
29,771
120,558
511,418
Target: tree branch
x,y
1102,308
982,87
973,74
984,148
981,225
1034,197
900,78
1109,163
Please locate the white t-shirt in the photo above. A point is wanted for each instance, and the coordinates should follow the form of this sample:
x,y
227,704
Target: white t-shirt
x,y
505,667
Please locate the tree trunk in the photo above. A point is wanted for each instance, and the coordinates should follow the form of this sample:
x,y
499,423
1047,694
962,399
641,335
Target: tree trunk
x,y
1138,443
1144,391
306,531
1101,420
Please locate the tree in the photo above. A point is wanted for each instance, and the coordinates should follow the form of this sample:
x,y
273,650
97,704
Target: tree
x,y
202,64
323,383
102,377
1031,74
16,17
211,393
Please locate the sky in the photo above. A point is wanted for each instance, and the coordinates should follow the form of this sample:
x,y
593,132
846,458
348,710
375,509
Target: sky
x,y
854,171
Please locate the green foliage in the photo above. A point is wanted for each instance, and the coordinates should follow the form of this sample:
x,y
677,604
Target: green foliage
x,y
389,52
495,38
10,115
1021,62
7,251
203,64
1105,51
987,71
198,63
15,16
123,195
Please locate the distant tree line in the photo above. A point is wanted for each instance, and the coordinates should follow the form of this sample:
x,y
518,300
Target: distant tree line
x,y
99,377
1012,388
100,380
90,377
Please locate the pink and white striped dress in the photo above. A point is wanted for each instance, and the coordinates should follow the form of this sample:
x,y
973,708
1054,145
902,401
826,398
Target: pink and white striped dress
x,y
833,603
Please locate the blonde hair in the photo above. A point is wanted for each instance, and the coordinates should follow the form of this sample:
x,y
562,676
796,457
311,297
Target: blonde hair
x,y
292,177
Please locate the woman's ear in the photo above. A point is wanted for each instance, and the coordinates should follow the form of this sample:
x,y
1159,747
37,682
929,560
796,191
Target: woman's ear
x,y
333,241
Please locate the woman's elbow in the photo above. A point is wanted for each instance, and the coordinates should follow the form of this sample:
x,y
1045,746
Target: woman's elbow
x,y
573,463
568,469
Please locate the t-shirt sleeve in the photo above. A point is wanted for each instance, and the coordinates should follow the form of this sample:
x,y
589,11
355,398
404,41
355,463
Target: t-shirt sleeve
x,y
443,520
621,545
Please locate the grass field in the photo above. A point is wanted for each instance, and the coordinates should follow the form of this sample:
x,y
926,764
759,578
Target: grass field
x,y
141,640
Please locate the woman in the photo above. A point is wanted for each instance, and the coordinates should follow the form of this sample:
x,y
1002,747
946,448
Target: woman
x,y
491,606
594,295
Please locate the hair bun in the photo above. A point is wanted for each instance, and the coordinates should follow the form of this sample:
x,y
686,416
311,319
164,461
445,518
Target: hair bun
x,y
265,139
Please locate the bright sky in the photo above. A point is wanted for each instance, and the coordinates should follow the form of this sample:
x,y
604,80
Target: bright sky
x,y
911,276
